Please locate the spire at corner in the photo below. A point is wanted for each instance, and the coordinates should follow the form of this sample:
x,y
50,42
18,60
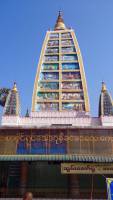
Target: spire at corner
x,y
12,104
27,113
105,102
60,23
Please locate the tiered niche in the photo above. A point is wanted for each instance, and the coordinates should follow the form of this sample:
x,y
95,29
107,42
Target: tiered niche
x,y
60,83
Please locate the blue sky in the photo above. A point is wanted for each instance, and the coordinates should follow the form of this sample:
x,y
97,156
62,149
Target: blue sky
x,y
23,25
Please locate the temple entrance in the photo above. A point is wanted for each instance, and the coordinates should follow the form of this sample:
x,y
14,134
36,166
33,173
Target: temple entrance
x,y
44,180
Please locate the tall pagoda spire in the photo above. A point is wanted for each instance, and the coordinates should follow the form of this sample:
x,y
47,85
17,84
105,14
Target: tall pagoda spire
x,y
60,23
60,83
105,102
12,105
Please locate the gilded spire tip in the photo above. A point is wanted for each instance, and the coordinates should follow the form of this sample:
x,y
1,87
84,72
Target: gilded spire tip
x,y
103,87
14,87
60,22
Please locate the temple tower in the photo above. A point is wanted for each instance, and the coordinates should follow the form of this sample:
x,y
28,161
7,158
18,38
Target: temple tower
x,y
105,102
12,104
60,83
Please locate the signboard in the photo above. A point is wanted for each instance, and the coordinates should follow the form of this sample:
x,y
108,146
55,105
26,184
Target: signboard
x,y
55,141
110,188
86,168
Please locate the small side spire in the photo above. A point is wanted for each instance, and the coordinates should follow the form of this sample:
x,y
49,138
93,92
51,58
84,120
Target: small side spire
x,y
60,23
27,113
105,102
12,104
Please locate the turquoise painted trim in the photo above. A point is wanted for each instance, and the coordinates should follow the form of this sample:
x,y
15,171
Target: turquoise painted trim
x,y
78,158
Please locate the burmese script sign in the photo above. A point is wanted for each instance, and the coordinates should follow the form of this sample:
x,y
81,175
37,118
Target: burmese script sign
x,y
56,142
86,168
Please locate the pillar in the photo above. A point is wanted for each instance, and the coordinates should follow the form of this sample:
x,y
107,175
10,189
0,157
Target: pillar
x,y
73,186
24,177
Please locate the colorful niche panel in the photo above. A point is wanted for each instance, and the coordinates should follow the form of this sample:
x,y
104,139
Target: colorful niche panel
x,y
68,49
67,42
72,96
49,86
70,66
52,50
54,35
51,58
50,66
49,76
70,75
73,106
47,107
66,35
72,85
48,95
69,57
53,43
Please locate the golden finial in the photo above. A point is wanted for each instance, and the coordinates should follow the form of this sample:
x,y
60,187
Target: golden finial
x,y
103,87
14,87
60,23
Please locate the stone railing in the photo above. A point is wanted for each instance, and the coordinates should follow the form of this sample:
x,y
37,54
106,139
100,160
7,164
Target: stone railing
x,y
39,119
107,121
49,121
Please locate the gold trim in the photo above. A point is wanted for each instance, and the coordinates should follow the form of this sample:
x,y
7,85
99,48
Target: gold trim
x,y
38,71
82,72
